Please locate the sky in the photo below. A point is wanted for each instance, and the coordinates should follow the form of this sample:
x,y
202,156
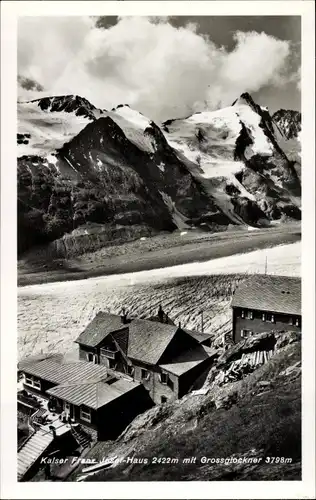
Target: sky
x,y
163,67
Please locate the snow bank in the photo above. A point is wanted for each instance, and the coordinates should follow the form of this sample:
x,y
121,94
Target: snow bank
x,y
133,125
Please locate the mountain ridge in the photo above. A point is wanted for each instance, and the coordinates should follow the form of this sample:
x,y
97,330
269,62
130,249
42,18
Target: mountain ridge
x,y
78,163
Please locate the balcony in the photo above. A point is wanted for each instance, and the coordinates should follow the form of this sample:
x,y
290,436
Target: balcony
x,y
109,353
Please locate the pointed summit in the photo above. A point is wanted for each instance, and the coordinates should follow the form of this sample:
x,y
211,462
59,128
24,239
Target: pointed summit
x,y
245,98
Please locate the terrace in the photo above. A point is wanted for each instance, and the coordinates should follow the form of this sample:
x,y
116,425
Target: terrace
x,y
50,420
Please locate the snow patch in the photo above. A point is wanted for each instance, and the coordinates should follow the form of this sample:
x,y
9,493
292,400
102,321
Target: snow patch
x,y
49,130
133,125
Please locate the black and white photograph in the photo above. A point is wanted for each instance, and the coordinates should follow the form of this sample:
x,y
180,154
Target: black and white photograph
x,y
159,315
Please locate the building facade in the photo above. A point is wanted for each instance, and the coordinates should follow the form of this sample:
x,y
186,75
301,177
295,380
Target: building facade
x,y
83,393
163,357
266,303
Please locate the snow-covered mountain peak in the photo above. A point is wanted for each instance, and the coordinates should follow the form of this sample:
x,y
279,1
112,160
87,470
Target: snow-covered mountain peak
x,y
45,124
244,98
70,104
135,126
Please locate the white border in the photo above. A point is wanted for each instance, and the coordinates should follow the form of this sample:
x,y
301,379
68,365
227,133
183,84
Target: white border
x,y
10,10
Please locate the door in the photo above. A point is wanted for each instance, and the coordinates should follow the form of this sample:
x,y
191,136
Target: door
x,y
69,410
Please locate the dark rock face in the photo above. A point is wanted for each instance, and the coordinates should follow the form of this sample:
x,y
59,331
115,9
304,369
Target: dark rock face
x,y
102,177
261,169
288,122
68,103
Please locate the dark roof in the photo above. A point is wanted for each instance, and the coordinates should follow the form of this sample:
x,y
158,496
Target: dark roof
x,y
149,339
199,336
100,327
166,319
79,383
186,361
36,358
58,372
269,293
93,395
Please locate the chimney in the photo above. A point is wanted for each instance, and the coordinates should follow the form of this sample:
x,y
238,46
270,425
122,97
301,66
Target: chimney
x,y
179,324
124,316
160,314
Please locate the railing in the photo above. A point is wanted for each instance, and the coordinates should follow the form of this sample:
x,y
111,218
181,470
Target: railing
x,y
30,401
108,353
27,438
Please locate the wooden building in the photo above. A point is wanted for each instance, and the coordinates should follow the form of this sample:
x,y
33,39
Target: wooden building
x,y
165,358
86,393
104,341
265,303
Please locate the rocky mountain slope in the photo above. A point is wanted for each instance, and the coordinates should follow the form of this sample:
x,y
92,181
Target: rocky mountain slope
x,y
79,165
287,129
249,407
289,122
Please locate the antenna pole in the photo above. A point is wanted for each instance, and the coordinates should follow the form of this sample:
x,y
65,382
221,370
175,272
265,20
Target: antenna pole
x,y
266,266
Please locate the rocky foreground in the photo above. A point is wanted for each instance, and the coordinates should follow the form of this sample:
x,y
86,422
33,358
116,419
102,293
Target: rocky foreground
x,y
247,416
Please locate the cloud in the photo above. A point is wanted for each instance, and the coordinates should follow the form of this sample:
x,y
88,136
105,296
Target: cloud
x,y
161,70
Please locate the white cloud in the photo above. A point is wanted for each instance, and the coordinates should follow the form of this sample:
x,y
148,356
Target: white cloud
x,y
161,70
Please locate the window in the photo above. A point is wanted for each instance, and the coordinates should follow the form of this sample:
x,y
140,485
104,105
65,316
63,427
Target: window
x,y
270,318
263,316
242,313
109,353
89,356
249,315
164,399
37,384
291,321
85,414
145,374
297,322
33,382
246,333
164,378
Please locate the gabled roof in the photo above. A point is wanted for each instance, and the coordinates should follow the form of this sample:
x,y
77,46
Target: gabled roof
x,y
99,328
199,336
280,294
58,372
36,358
79,383
149,339
92,395
186,361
